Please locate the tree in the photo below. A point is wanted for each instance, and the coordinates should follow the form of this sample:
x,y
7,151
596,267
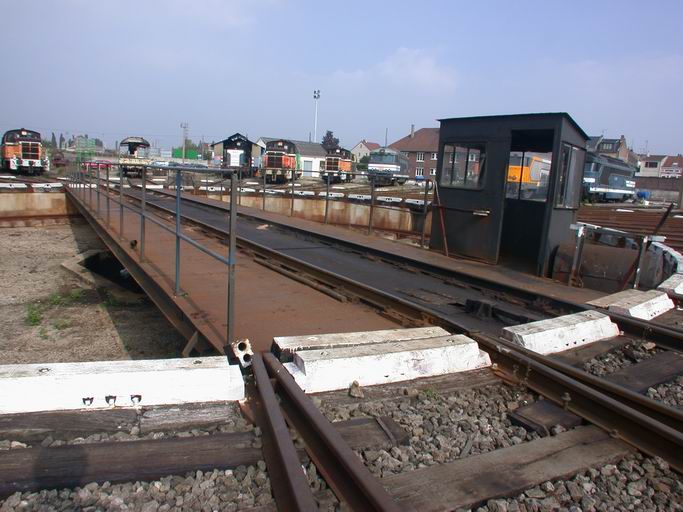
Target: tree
x,y
53,141
61,141
362,165
330,142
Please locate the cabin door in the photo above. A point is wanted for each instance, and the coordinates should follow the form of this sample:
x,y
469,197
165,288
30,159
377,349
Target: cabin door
x,y
470,188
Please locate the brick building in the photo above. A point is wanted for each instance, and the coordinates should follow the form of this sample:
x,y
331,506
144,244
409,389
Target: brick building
x,y
422,149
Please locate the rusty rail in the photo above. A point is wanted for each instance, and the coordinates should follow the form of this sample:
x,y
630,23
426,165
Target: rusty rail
x,y
288,481
652,427
341,468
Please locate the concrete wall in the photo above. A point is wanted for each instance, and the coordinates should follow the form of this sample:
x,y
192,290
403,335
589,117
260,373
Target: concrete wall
x,y
340,212
37,204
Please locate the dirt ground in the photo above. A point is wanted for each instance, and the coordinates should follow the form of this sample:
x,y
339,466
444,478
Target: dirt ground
x,y
47,314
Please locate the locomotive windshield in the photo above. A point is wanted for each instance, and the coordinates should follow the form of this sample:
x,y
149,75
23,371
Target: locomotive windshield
x,y
386,158
22,135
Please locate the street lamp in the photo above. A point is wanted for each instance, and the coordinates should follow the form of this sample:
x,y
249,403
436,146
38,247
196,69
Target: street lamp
x,y
316,97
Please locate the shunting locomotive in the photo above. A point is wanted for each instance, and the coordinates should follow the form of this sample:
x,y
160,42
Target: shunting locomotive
x,y
338,166
279,162
22,152
607,179
387,167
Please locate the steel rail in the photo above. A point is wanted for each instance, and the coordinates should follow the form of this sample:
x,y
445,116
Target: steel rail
x,y
287,479
656,429
667,337
341,468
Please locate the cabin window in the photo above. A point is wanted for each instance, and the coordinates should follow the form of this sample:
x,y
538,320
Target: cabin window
x,y
569,179
466,166
528,175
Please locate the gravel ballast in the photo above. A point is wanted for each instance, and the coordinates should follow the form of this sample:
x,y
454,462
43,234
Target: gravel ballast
x,y
627,355
635,483
441,428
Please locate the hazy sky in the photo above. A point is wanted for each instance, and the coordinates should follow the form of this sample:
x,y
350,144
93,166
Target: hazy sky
x,y
135,67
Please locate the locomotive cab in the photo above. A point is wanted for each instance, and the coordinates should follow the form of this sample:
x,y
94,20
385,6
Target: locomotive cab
x,y
280,162
22,151
338,166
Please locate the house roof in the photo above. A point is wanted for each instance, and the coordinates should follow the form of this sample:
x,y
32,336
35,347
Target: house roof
x,y
424,139
650,158
303,147
593,141
673,161
369,145
232,137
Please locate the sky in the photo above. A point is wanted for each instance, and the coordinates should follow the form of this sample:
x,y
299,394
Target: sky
x,y
112,69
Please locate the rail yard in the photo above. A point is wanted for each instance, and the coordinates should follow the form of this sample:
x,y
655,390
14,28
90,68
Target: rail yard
x,y
272,346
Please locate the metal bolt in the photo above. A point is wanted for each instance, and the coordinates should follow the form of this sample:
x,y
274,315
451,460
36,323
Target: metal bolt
x,y
566,398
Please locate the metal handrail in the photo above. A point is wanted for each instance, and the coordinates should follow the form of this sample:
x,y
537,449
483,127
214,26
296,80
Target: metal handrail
x,y
81,179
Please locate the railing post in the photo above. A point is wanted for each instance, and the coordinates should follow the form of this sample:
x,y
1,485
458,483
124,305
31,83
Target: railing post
x,y
232,255
264,189
120,203
327,196
239,181
291,212
372,205
424,213
641,260
178,187
143,214
99,213
89,190
578,250
108,191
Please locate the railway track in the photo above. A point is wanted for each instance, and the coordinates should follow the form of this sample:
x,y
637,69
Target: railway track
x,y
636,220
429,295
21,183
426,295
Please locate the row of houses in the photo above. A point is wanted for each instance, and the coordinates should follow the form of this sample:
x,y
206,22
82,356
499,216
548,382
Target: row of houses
x,y
421,147
238,151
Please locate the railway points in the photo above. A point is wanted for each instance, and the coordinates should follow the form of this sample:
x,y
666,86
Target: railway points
x,y
423,407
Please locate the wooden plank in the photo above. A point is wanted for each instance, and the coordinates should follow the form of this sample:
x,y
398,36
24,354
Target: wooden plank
x,y
286,345
543,415
31,469
469,482
442,384
92,384
660,368
83,422
34,426
580,355
188,416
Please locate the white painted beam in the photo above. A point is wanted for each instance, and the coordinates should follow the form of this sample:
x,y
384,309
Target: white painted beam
x,y
562,333
673,286
318,341
635,303
383,363
65,386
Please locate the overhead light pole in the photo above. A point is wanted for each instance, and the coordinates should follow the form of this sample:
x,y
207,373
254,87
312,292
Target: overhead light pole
x,y
316,97
184,126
